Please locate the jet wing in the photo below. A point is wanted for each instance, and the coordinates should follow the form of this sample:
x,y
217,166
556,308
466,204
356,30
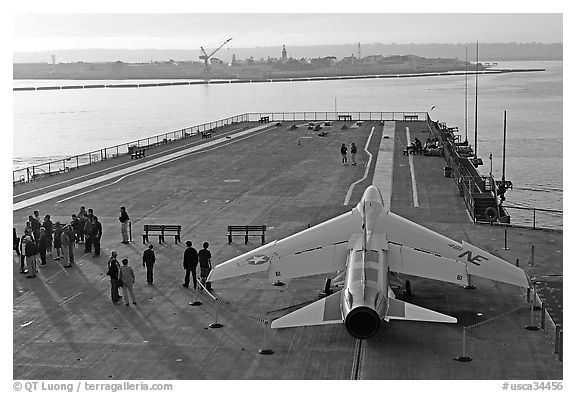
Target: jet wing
x,y
322,312
407,260
316,250
478,262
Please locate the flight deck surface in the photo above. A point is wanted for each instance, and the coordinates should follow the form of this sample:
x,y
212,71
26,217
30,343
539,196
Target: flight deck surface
x,y
66,327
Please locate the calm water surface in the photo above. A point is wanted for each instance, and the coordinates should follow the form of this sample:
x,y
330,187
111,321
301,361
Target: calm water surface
x,y
56,124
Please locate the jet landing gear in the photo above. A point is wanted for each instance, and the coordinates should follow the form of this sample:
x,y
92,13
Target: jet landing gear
x,y
407,289
327,289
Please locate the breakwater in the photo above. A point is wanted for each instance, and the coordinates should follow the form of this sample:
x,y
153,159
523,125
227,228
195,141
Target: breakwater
x,y
271,80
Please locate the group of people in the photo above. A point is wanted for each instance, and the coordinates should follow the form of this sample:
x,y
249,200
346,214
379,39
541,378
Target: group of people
x,y
124,277
43,238
344,152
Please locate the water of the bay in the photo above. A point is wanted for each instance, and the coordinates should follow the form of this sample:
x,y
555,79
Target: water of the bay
x,y
52,124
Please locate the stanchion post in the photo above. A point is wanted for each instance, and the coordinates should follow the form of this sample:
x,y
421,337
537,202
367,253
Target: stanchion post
x,y
543,316
532,255
517,262
130,230
532,327
505,240
463,358
557,339
265,350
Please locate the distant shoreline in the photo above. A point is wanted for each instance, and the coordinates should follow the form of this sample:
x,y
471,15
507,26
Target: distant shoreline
x,y
262,80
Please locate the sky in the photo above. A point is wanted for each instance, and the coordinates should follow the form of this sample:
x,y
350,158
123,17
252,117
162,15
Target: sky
x,y
36,29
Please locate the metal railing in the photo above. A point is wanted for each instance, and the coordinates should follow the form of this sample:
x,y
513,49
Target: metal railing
x,y
547,218
66,164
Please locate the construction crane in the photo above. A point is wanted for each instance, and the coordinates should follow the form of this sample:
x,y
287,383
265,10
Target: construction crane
x,y
204,56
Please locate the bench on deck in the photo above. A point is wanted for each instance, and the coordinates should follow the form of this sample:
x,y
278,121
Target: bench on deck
x,y
246,231
410,117
264,119
206,134
344,117
138,153
161,231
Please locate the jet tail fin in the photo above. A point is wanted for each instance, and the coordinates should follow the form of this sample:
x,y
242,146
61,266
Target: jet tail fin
x,y
397,309
322,312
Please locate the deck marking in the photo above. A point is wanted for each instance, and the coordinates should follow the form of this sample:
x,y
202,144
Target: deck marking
x,y
227,143
412,176
129,170
351,188
67,300
383,169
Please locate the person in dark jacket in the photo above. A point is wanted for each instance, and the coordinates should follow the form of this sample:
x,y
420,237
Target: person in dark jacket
x,y
205,260
42,246
343,151
114,272
124,222
15,242
58,230
49,228
353,153
35,226
87,234
30,251
190,264
148,260
75,225
81,224
96,235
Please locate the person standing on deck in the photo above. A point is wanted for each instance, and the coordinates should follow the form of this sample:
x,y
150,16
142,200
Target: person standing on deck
x,y
30,250
343,151
124,222
114,272
148,260
58,230
127,277
35,227
205,259
42,246
25,237
67,242
87,234
75,225
81,224
15,242
190,264
49,227
353,153
96,235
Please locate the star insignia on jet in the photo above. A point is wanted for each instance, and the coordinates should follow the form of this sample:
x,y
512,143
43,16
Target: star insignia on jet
x,y
258,259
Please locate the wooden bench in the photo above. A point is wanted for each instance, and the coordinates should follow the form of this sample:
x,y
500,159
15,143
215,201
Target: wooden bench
x,y
245,230
344,117
138,153
410,117
161,231
264,119
206,134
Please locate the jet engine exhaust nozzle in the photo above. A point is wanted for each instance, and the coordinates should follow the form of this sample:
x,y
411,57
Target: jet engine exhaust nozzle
x,y
362,322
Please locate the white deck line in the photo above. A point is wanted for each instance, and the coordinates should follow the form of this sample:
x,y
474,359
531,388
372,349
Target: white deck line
x,y
351,188
412,175
129,170
385,163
